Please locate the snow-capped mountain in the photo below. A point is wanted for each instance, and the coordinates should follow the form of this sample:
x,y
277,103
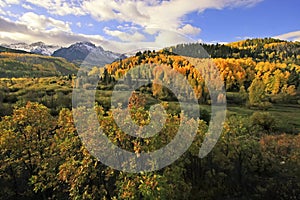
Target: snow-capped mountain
x,y
80,52
88,54
37,47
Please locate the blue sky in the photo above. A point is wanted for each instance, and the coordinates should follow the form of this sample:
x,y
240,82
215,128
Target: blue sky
x,y
268,18
125,25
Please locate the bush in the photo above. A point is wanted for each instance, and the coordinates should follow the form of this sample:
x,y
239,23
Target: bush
x,y
264,121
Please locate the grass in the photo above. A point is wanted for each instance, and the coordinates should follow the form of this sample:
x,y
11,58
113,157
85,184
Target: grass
x,y
287,115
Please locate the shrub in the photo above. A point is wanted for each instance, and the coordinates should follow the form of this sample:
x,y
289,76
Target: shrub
x,y
264,121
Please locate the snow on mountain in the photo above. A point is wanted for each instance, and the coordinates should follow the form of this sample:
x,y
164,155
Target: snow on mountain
x,y
80,52
41,48
88,54
37,48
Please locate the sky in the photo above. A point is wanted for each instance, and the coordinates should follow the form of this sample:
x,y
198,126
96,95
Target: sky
x,y
129,25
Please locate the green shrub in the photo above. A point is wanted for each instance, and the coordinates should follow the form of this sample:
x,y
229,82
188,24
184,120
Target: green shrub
x,y
264,121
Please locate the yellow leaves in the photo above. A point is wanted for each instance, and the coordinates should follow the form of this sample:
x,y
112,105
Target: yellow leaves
x,y
235,71
291,90
273,75
94,71
274,44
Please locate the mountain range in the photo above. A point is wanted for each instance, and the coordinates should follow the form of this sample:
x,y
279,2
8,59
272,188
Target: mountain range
x,y
36,48
79,53
87,53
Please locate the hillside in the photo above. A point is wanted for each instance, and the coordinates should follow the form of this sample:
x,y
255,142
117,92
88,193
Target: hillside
x,y
267,49
31,65
5,49
278,81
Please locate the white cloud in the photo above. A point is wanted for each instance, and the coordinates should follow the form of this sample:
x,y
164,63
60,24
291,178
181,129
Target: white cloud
x,y
12,1
7,3
11,32
125,37
41,22
293,36
78,24
155,14
60,7
27,6
90,25
189,30
128,27
2,12
104,10
170,38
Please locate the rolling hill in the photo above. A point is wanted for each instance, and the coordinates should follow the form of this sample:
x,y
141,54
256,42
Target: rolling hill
x,y
15,64
5,49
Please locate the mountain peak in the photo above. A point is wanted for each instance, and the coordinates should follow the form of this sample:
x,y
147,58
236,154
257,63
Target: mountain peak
x,y
79,51
84,43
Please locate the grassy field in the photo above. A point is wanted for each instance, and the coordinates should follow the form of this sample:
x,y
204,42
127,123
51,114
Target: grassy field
x,y
287,115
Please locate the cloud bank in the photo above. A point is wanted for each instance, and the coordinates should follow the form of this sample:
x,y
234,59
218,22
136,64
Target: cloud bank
x,y
162,21
292,36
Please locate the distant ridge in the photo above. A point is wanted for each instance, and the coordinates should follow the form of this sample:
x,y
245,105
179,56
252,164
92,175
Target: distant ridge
x,y
5,49
259,49
36,48
87,53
